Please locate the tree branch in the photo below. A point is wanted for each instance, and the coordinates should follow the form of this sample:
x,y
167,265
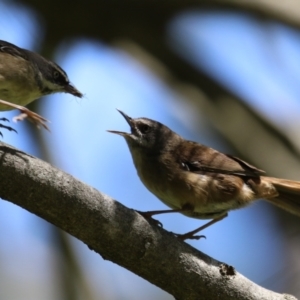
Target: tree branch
x,y
120,234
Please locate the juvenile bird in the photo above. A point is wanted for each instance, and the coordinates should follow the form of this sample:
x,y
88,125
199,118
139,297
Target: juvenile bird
x,y
26,76
199,181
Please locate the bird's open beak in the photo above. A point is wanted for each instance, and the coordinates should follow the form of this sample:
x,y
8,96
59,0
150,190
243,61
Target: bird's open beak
x,y
72,90
128,120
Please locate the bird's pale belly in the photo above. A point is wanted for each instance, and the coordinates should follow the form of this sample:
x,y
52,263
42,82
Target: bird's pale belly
x,y
14,88
200,194
16,96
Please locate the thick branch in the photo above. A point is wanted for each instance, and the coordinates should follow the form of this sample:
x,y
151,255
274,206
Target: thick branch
x,y
119,234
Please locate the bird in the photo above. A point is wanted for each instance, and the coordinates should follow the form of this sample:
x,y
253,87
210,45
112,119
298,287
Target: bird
x,y
26,76
199,181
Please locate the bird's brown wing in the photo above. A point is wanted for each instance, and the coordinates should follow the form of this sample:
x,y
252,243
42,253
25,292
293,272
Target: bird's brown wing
x,y
199,158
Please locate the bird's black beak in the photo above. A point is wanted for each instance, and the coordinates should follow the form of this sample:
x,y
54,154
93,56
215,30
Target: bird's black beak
x,y
128,120
70,89
126,117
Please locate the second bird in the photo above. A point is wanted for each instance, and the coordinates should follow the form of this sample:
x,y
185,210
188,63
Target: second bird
x,y
26,76
198,181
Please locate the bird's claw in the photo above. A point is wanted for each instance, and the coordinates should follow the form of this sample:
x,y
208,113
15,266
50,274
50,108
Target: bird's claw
x,y
6,127
188,236
148,217
4,119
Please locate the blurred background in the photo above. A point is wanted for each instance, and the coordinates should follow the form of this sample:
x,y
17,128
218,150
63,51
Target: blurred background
x,y
222,73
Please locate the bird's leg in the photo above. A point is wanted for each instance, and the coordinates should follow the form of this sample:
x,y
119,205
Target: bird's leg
x,y
148,214
191,234
26,113
35,118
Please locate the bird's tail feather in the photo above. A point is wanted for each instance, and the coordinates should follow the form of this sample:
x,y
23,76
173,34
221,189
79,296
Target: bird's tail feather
x,y
288,194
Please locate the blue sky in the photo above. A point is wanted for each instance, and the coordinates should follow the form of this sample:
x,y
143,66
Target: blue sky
x,y
257,61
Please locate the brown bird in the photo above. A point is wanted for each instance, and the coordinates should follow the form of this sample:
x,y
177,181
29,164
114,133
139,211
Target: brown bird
x,y
198,181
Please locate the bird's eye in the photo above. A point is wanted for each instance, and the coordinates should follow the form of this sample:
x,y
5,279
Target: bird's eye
x,y
144,128
55,74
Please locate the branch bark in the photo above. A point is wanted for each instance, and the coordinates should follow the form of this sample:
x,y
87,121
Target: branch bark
x,y
120,234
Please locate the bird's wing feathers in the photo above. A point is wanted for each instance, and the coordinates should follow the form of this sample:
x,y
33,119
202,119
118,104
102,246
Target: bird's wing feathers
x,y
201,159
11,49
246,166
